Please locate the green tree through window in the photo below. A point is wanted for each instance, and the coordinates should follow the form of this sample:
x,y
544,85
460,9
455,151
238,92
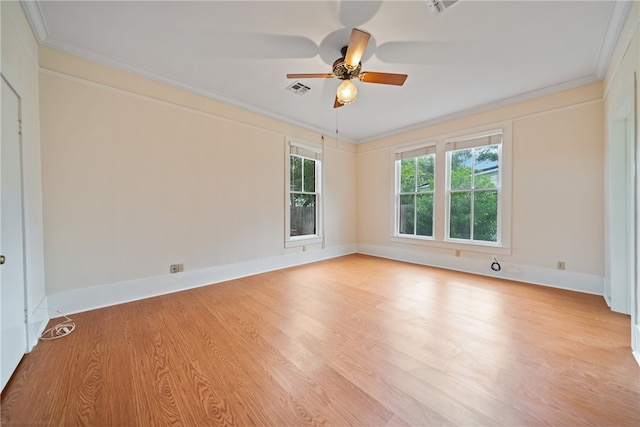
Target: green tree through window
x,y
473,193
417,181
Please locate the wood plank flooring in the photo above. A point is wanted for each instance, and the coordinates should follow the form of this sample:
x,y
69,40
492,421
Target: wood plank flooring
x,y
355,340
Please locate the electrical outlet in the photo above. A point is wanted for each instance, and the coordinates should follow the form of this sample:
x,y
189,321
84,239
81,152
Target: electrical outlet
x,y
457,252
180,268
561,265
174,268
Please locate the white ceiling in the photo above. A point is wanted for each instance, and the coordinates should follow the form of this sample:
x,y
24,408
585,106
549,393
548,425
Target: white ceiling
x,y
473,56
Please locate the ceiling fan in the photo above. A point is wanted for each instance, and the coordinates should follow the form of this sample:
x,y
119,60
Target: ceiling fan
x,y
349,66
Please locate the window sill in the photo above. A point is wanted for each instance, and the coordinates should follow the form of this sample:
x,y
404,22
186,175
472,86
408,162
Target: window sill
x,y
296,242
489,248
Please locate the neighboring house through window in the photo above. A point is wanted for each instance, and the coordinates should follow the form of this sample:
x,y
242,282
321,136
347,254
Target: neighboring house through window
x,y
454,191
473,188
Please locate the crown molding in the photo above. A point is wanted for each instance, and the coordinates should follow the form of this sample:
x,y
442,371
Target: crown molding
x,y
34,15
619,13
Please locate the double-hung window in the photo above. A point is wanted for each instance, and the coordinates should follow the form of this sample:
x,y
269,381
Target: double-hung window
x,y
415,171
473,189
303,213
454,192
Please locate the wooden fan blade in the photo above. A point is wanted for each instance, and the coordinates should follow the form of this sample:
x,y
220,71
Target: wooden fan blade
x,y
383,78
310,76
355,50
337,104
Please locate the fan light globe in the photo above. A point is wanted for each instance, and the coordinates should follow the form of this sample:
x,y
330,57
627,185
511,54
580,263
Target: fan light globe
x,y
347,92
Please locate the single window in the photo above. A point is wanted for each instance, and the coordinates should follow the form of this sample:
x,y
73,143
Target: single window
x,y
473,176
415,178
303,188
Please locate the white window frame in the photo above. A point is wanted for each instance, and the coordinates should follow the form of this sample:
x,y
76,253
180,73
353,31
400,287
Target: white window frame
x,y
313,152
409,153
441,208
494,137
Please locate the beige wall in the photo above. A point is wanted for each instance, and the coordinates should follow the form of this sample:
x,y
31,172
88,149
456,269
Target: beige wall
x,y
138,176
557,192
20,69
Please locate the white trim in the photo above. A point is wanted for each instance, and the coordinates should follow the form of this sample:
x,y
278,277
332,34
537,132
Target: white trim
x,y
440,230
305,145
34,15
158,101
28,51
303,241
427,145
572,84
84,299
561,279
83,53
635,341
459,245
617,17
395,231
623,45
37,322
466,137
168,102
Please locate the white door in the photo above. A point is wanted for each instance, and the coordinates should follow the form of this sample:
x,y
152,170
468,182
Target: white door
x,y
12,277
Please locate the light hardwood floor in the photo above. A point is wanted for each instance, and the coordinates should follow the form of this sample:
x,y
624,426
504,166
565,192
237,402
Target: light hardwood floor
x,y
355,340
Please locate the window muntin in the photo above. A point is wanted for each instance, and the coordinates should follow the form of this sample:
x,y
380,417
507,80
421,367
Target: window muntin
x,y
472,200
474,205
303,200
415,194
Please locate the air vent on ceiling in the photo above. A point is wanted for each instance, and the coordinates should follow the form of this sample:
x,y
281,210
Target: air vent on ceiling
x,y
438,6
298,88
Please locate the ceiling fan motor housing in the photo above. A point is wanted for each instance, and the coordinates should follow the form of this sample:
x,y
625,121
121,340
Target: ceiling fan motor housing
x,y
342,70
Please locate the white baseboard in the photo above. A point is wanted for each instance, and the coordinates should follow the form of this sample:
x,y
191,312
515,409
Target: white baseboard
x,y
635,342
562,279
84,299
79,300
37,320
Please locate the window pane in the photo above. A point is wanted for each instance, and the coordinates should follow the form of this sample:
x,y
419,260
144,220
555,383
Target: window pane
x,y
408,175
303,214
407,214
460,216
461,161
425,173
309,176
486,167
295,173
485,213
424,215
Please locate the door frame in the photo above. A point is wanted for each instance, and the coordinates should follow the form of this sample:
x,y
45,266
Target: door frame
x,y
23,239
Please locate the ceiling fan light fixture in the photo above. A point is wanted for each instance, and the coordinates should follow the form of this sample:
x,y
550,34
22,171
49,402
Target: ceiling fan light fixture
x,y
347,92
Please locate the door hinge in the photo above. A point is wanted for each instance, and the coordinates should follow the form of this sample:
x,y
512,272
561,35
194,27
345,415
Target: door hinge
x,y
20,127
26,317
